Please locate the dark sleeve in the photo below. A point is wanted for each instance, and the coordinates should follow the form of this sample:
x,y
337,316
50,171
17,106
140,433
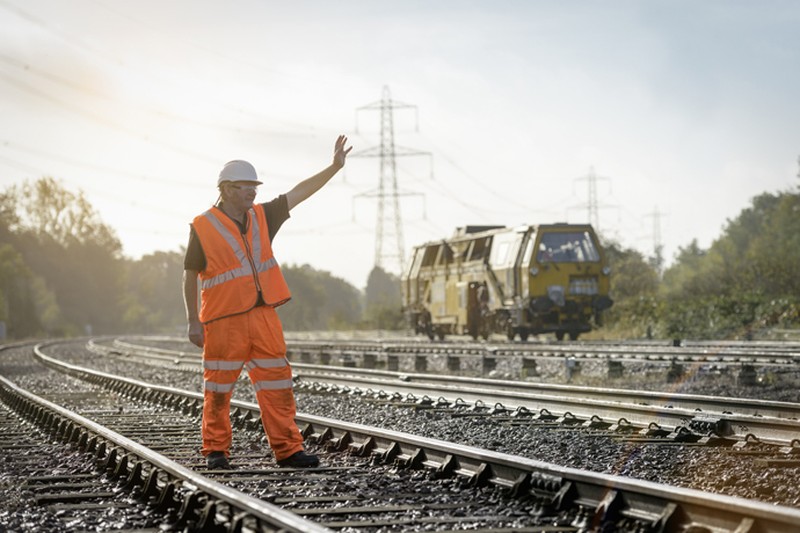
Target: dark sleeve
x,y
277,212
195,258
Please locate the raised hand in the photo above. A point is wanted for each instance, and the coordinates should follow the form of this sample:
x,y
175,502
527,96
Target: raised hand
x,y
339,152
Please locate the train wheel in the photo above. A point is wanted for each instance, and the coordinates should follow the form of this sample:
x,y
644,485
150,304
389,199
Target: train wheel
x,y
573,335
440,333
560,335
429,330
510,333
523,334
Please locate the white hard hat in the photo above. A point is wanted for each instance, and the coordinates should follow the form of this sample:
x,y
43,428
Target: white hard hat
x,y
238,170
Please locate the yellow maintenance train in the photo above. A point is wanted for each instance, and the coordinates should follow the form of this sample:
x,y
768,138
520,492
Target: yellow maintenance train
x,y
527,280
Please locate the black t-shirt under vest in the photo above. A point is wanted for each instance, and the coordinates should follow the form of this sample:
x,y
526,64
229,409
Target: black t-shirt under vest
x,y
276,211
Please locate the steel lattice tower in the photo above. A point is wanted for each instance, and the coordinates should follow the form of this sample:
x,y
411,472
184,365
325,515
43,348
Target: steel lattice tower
x,y
658,245
388,173
389,221
594,217
592,205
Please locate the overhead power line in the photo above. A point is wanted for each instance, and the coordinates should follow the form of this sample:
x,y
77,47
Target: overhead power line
x,y
101,168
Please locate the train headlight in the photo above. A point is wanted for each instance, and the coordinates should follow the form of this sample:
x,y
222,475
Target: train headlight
x,y
606,270
556,293
534,271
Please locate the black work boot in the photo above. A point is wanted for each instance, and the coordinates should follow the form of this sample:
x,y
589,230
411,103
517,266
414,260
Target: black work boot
x,y
300,459
218,461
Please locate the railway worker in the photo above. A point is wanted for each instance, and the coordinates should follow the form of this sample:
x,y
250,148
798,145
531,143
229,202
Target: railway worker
x,y
237,324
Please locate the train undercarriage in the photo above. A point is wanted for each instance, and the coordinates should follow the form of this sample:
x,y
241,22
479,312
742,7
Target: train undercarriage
x,y
569,322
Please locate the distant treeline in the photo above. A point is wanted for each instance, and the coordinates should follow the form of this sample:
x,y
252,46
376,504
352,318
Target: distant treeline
x,y
62,273
745,283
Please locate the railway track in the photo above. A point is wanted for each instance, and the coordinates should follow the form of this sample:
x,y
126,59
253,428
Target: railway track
x,y
600,362
675,417
737,353
63,485
649,414
534,494
116,478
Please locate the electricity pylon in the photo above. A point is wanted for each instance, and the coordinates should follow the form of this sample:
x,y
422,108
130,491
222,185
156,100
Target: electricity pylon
x,y
389,222
592,205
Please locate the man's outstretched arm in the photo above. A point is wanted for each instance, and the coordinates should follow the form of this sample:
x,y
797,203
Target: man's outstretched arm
x,y
309,186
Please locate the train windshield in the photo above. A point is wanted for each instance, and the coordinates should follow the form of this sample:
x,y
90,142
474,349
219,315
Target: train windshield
x,y
567,247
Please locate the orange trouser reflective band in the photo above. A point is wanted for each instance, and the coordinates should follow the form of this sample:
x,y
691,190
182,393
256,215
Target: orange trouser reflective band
x,y
253,340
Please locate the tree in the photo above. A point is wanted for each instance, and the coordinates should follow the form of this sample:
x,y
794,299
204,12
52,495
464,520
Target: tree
x,y
680,277
383,305
746,279
774,252
634,287
46,208
16,311
78,258
153,300
319,301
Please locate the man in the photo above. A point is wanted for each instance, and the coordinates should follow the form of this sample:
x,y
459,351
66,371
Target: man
x,y
230,252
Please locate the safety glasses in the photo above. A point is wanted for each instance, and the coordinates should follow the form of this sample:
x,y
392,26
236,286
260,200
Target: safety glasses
x,y
244,187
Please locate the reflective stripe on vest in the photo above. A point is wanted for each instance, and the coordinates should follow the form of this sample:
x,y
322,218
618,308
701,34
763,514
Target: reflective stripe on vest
x,y
223,365
273,385
245,268
267,363
213,386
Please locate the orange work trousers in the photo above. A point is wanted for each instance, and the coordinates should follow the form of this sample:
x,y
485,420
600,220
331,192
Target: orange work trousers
x,y
253,340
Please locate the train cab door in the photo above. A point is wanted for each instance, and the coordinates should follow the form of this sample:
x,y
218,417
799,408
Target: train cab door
x,y
477,307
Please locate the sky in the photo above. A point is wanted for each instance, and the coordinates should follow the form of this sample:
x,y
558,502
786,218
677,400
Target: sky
x,y
505,112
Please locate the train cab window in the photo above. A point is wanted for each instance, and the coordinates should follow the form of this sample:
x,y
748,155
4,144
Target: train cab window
x,y
478,249
567,247
430,255
466,248
446,256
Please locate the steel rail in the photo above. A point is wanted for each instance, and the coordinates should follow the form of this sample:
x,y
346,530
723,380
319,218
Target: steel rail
x,y
736,419
620,353
191,482
167,357
582,403
778,354
664,355
601,496
522,389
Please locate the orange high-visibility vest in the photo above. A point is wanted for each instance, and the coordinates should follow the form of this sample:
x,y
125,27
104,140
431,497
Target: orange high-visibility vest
x,y
238,266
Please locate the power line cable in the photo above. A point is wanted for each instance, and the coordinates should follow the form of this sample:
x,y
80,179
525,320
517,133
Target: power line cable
x,y
158,113
103,53
100,168
226,58
96,191
95,117
474,179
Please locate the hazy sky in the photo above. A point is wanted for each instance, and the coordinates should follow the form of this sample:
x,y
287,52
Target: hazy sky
x,y
684,110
